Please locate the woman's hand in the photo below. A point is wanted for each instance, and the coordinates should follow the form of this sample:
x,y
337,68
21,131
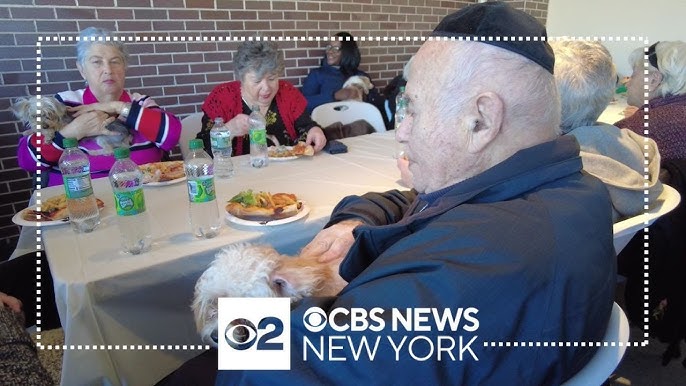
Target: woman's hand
x,y
629,111
89,124
316,138
10,301
239,125
111,108
332,243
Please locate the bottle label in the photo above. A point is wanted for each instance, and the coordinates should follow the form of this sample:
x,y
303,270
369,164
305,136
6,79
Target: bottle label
x,y
129,202
201,189
220,140
258,136
77,185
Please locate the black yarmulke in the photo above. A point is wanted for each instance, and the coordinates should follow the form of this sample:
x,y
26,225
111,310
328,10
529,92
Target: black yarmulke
x,y
502,26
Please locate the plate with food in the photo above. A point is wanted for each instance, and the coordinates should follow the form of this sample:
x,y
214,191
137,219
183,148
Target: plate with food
x,y
287,153
162,173
53,212
265,209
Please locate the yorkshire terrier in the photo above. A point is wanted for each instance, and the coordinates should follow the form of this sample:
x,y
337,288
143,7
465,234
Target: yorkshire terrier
x,y
52,116
246,270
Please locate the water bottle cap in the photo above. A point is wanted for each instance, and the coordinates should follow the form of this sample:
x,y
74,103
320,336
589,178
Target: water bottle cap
x,y
219,121
195,144
70,142
122,152
402,88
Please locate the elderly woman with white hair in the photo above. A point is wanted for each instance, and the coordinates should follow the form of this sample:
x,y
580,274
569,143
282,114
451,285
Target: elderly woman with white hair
x,y
102,62
585,77
666,87
258,66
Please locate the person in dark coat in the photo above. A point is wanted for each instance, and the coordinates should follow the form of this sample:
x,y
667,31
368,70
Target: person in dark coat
x,y
324,84
503,231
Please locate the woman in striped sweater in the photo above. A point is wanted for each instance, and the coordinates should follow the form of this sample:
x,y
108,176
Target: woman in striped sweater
x,y
102,64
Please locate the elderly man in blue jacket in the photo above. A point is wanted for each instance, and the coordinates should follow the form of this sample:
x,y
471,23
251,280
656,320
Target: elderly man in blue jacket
x,y
502,259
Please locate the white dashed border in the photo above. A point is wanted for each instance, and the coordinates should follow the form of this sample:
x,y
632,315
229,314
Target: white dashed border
x,y
317,39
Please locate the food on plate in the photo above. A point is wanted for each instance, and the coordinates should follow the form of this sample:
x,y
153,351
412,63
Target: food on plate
x,y
52,209
260,206
299,149
162,171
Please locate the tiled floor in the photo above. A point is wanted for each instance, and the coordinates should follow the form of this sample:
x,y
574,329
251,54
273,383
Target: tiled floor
x,y
641,366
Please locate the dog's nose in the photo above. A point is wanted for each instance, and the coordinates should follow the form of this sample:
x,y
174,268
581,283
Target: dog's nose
x,y
215,336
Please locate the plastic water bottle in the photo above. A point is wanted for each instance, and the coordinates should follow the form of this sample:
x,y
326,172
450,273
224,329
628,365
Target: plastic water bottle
x,y
400,110
400,107
132,218
220,137
203,213
258,139
76,174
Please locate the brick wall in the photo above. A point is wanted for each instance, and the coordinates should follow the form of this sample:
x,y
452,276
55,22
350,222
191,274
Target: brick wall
x,y
179,73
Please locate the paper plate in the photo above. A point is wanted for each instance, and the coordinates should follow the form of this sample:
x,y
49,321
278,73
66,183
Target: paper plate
x,y
303,212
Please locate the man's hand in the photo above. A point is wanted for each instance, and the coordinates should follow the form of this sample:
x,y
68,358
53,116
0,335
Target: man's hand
x,y
332,243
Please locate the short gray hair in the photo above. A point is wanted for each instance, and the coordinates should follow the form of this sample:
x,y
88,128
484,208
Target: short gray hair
x,y
528,90
586,78
261,57
671,60
90,36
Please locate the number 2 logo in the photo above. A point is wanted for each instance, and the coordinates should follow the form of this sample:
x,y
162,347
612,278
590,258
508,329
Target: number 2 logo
x,y
241,334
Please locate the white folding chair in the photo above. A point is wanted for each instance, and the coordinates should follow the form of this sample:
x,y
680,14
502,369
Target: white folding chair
x,y
190,126
606,359
347,112
624,230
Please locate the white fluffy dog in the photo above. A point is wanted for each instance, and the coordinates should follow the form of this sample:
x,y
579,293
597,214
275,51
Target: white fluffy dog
x,y
360,82
246,270
54,116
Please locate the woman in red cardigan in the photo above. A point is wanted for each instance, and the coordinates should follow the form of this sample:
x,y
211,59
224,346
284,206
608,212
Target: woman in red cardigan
x,y
258,65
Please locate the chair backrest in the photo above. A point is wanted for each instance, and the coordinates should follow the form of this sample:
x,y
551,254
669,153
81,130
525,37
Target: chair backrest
x,y
606,359
347,112
190,126
624,230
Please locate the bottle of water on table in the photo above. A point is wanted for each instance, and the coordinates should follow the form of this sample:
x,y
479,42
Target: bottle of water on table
x,y
132,218
400,107
84,215
203,212
220,138
258,139
400,112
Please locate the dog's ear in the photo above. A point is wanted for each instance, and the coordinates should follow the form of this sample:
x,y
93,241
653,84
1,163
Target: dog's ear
x,y
20,108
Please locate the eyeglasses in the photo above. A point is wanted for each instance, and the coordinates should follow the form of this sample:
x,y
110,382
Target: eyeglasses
x,y
333,48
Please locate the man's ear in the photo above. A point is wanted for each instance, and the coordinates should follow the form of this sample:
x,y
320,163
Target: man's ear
x,y
486,127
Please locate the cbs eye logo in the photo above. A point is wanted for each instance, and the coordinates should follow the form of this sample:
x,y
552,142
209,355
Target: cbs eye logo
x,y
241,334
314,319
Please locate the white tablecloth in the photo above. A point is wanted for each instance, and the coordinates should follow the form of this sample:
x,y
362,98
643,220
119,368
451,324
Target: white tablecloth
x,y
107,298
614,111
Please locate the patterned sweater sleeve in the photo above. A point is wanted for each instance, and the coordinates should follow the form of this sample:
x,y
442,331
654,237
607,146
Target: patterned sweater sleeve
x,y
155,124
